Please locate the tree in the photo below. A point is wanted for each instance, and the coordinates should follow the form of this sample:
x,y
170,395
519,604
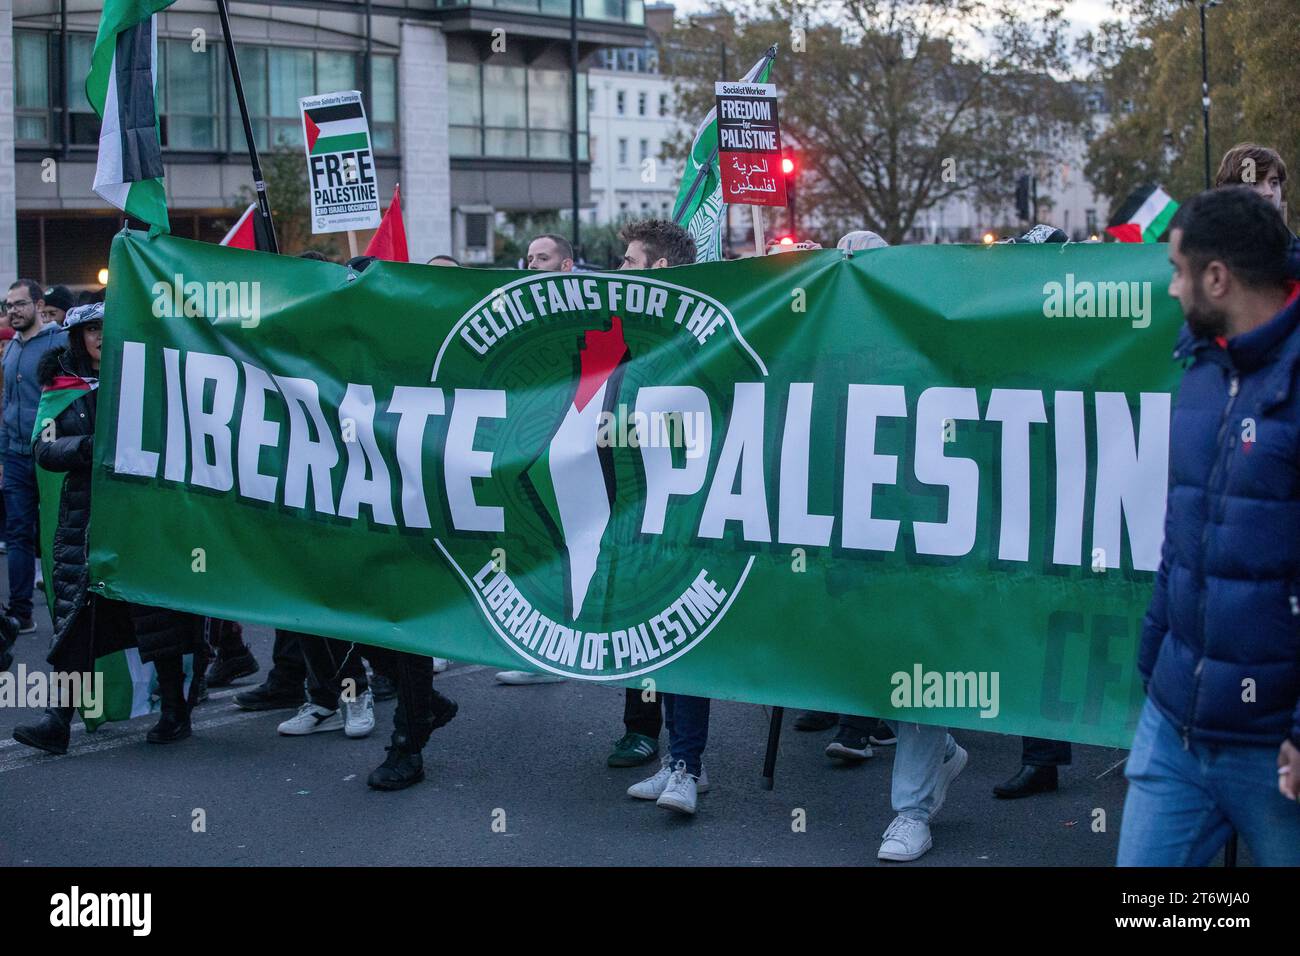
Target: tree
x,y
890,104
1149,62
286,185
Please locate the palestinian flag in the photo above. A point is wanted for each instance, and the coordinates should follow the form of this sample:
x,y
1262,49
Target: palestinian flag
x,y
122,87
1143,216
572,480
333,129
55,398
248,232
699,206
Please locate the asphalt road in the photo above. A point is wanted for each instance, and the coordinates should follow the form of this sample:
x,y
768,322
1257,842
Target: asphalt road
x,y
531,759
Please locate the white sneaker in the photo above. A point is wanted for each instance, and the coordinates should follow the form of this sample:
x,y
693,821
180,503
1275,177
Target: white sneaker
x,y
440,664
948,772
359,715
520,678
652,788
907,838
679,795
311,719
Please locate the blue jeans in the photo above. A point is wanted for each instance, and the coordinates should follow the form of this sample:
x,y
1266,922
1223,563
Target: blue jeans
x,y
920,752
687,719
1183,804
20,530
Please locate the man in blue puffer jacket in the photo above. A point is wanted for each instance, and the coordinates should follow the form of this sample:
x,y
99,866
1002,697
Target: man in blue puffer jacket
x,y
1217,748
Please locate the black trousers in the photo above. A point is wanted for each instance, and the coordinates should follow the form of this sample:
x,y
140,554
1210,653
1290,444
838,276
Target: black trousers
x,y
288,667
417,700
331,663
640,716
1037,752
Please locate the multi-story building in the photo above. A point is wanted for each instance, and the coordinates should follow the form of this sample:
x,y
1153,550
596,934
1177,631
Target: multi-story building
x,y
631,117
468,100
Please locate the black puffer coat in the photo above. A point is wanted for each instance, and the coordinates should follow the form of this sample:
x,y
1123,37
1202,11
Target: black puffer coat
x,y
67,447
159,632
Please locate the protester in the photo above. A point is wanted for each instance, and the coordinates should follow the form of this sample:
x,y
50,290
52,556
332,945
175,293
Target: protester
x,y
58,300
232,658
1039,758
1217,746
79,616
285,682
550,253
650,244
22,393
1259,167
336,681
546,253
443,260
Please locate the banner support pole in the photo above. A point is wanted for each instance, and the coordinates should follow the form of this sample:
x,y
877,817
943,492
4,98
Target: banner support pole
x,y
352,244
757,212
773,738
259,183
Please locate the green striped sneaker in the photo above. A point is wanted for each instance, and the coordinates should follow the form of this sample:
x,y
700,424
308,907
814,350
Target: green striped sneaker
x,y
633,750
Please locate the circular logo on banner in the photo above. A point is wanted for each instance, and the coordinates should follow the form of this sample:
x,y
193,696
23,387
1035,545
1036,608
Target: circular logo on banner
x,y
599,405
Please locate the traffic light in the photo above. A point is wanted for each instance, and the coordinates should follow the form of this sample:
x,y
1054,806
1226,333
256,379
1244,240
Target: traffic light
x,y
788,168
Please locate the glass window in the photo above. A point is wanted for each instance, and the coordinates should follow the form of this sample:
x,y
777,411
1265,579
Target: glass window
x,y
584,107
645,149
252,70
640,104
465,107
504,111
548,99
621,100
663,104
335,71
31,87
83,119
188,95
290,77
622,152
383,102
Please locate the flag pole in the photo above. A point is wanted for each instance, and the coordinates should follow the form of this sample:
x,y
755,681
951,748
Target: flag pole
x,y
263,203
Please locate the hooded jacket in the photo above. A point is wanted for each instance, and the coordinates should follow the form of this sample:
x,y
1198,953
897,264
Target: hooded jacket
x,y
22,387
1220,648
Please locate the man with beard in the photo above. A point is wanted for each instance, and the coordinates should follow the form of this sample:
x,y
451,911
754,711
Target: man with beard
x,y
1217,747
22,393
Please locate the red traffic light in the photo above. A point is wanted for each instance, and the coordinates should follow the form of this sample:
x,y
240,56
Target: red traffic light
x,y
787,165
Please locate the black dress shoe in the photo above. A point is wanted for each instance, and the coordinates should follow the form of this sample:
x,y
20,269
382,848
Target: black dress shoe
x,y
399,770
813,720
50,733
226,670
1029,781
266,697
173,725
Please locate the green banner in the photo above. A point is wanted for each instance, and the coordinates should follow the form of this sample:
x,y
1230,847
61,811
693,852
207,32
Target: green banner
x,y
923,483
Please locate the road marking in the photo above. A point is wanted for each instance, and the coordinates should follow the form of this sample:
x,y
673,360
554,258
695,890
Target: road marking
x,y
83,743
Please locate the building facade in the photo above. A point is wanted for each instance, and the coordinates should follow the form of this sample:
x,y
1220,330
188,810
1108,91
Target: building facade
x,y
468,102
632,116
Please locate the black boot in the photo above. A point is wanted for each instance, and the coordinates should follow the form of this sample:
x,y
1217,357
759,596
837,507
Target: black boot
x,y
402,768
50,733
174,724
1029,781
